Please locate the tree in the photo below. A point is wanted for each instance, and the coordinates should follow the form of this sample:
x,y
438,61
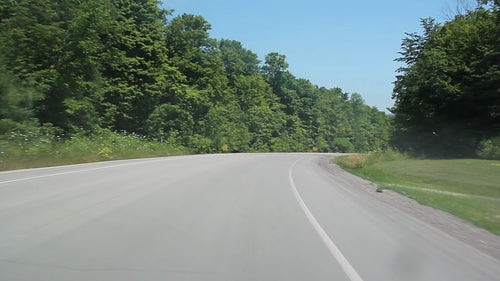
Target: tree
x,y
250,91
121,65
274,68
196,56
237,60
31,36
447,98
16,101
134,64
333,130
224,126
170,121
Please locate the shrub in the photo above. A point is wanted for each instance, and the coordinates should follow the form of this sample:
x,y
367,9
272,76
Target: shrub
x,y
387,155
32,146
355,161
489,149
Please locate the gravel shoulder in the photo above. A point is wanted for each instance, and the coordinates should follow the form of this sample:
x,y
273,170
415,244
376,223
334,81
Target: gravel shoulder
x,y
481,239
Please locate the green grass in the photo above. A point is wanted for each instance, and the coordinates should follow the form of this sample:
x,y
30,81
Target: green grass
x,y
467,188
19,151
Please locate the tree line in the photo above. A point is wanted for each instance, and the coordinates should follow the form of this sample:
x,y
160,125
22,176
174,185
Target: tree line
x,y
447,96
129,66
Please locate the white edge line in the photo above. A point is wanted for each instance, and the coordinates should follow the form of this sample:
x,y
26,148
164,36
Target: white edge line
x,y
334,250
141,161
84,170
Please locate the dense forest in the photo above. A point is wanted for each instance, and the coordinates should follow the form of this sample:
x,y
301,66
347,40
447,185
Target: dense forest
x,y
70,66
447,96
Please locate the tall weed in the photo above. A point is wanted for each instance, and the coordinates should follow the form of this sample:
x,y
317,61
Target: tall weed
x,y
354,161
384,156
359,161
32,148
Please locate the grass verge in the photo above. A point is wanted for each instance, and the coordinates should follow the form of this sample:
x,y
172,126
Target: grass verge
x,y
31,151
467,188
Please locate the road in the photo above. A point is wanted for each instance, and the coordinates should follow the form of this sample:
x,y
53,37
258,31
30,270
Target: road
x,y
216,217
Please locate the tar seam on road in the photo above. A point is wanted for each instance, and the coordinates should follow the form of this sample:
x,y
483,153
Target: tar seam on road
x,y
334,250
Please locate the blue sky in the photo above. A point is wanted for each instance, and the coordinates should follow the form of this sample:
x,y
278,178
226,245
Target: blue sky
x,y
346,44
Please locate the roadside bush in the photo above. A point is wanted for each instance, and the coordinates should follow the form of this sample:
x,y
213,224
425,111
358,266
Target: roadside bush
x,y
354,161
200,144
387,155
489,149
358,161
47,146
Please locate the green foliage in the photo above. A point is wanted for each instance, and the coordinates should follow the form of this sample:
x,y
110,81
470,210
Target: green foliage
x,y
16,101
31,146
386,155
70,68
223,127
343,145
447,96
237,60
134,64
169,120
490,149
201,144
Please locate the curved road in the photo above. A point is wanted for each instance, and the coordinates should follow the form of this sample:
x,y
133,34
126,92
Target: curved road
x,y
216,217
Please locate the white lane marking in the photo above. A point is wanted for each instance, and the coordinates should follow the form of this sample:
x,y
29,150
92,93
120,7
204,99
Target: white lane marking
x,y
168,158
334,250
82,170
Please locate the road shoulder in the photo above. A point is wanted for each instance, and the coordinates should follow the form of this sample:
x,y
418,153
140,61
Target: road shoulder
x,y
458,228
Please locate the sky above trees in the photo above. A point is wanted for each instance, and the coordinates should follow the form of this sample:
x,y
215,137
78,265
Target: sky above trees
x,y
333,43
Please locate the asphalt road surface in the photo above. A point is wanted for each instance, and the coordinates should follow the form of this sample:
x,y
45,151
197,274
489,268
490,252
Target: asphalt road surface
x,y
216,217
